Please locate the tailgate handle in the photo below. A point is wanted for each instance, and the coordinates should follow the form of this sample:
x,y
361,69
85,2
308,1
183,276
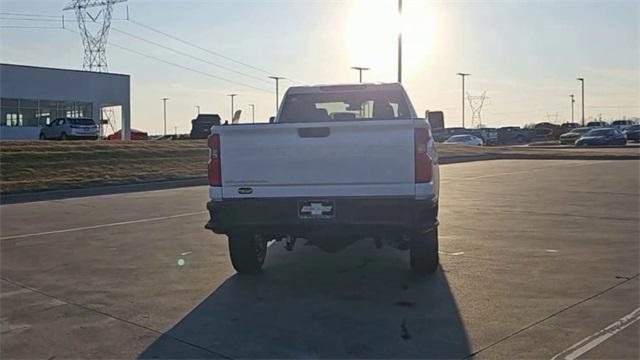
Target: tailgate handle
x,y
314,132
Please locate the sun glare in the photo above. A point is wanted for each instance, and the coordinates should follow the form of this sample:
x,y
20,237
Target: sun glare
x,y
372,33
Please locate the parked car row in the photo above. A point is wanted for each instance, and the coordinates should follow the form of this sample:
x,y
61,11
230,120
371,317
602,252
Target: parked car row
x,y
617,134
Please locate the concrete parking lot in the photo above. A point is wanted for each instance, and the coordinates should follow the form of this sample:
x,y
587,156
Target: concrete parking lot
x,y
540,258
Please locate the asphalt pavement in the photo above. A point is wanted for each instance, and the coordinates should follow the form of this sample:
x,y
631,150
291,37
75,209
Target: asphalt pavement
x,y
540,259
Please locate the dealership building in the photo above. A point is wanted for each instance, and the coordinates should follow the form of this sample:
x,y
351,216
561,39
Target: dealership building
x,y
32,97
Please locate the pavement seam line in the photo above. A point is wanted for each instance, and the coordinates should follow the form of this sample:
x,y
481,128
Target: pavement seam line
x,y
84,307
591,342
550,316
92,227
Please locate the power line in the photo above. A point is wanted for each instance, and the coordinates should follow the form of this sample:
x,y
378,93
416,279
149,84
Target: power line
x,y
203,48
182,66
29,19
29,15
189,55
29,27
150,57
188,68
199,47
189,43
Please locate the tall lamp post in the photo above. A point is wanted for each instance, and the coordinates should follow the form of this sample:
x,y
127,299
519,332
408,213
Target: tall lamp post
x,y
253,113
232,96
400,41
463,76
582,83
164,105
277,79
360,70
198,107
573,101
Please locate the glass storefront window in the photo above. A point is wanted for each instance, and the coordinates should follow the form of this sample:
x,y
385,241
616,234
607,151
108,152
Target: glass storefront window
x,y
30,112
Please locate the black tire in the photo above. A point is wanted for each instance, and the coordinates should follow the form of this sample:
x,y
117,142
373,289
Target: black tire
x,y
63,136
248,252
42,136
424,253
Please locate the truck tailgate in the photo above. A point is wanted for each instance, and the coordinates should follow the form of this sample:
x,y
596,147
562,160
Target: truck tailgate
x,y
355,158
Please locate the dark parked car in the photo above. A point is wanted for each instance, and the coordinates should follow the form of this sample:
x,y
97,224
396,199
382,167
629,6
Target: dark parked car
x,y
201,126
514,135
602,136
633,133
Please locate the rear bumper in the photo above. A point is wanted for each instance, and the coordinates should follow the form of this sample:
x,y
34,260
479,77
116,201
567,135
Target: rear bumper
x,y
356,216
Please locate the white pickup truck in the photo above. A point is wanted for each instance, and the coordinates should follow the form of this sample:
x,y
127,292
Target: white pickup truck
x,y
340,163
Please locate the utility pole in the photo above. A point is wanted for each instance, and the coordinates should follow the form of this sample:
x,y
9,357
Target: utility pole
x,y
360,70
572,102
463,75
232,96
175,128
198,107
164,103
582,83
400,41
277,79
253,113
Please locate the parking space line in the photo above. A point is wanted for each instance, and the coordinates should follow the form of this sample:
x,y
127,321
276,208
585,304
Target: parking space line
x,y
598,338
13,237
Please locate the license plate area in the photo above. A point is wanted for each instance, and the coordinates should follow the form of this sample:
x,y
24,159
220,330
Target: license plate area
x,y
316,209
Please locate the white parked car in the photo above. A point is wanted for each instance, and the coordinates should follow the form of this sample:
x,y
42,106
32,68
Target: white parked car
x,y
339,163
70,128
465,140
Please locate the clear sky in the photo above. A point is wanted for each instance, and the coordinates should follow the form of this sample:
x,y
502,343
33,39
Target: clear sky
x,y
526,55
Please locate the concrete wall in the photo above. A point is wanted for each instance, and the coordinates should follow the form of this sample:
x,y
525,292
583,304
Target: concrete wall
x,y
100,89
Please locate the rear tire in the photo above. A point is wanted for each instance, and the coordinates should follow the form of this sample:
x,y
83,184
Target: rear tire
x,y
424,253
248,252
63,136
42,136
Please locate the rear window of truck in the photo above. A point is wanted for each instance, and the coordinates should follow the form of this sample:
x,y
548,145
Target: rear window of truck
x,y
344,106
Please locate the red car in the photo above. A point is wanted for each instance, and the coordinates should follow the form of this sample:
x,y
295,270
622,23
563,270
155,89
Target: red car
x,y
135,135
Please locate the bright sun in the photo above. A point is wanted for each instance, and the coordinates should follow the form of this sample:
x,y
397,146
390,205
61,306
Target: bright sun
x,y
372,33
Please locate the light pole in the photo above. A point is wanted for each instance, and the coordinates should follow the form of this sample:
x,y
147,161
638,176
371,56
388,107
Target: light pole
x,y
582,83
360,70
232,96
198,107
164,103
277,79
400,41
253,113
572,102
463,76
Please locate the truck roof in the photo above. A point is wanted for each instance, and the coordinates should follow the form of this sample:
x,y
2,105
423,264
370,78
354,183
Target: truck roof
x,y
314,89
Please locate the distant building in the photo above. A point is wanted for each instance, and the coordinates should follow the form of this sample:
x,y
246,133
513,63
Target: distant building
x,y
32,97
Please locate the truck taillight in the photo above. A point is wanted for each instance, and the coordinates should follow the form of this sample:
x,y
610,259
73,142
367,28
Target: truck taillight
x,y
214,168
424,164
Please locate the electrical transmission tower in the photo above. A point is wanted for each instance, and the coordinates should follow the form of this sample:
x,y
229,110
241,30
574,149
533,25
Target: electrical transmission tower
x,y
476,103
94,21
553,116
